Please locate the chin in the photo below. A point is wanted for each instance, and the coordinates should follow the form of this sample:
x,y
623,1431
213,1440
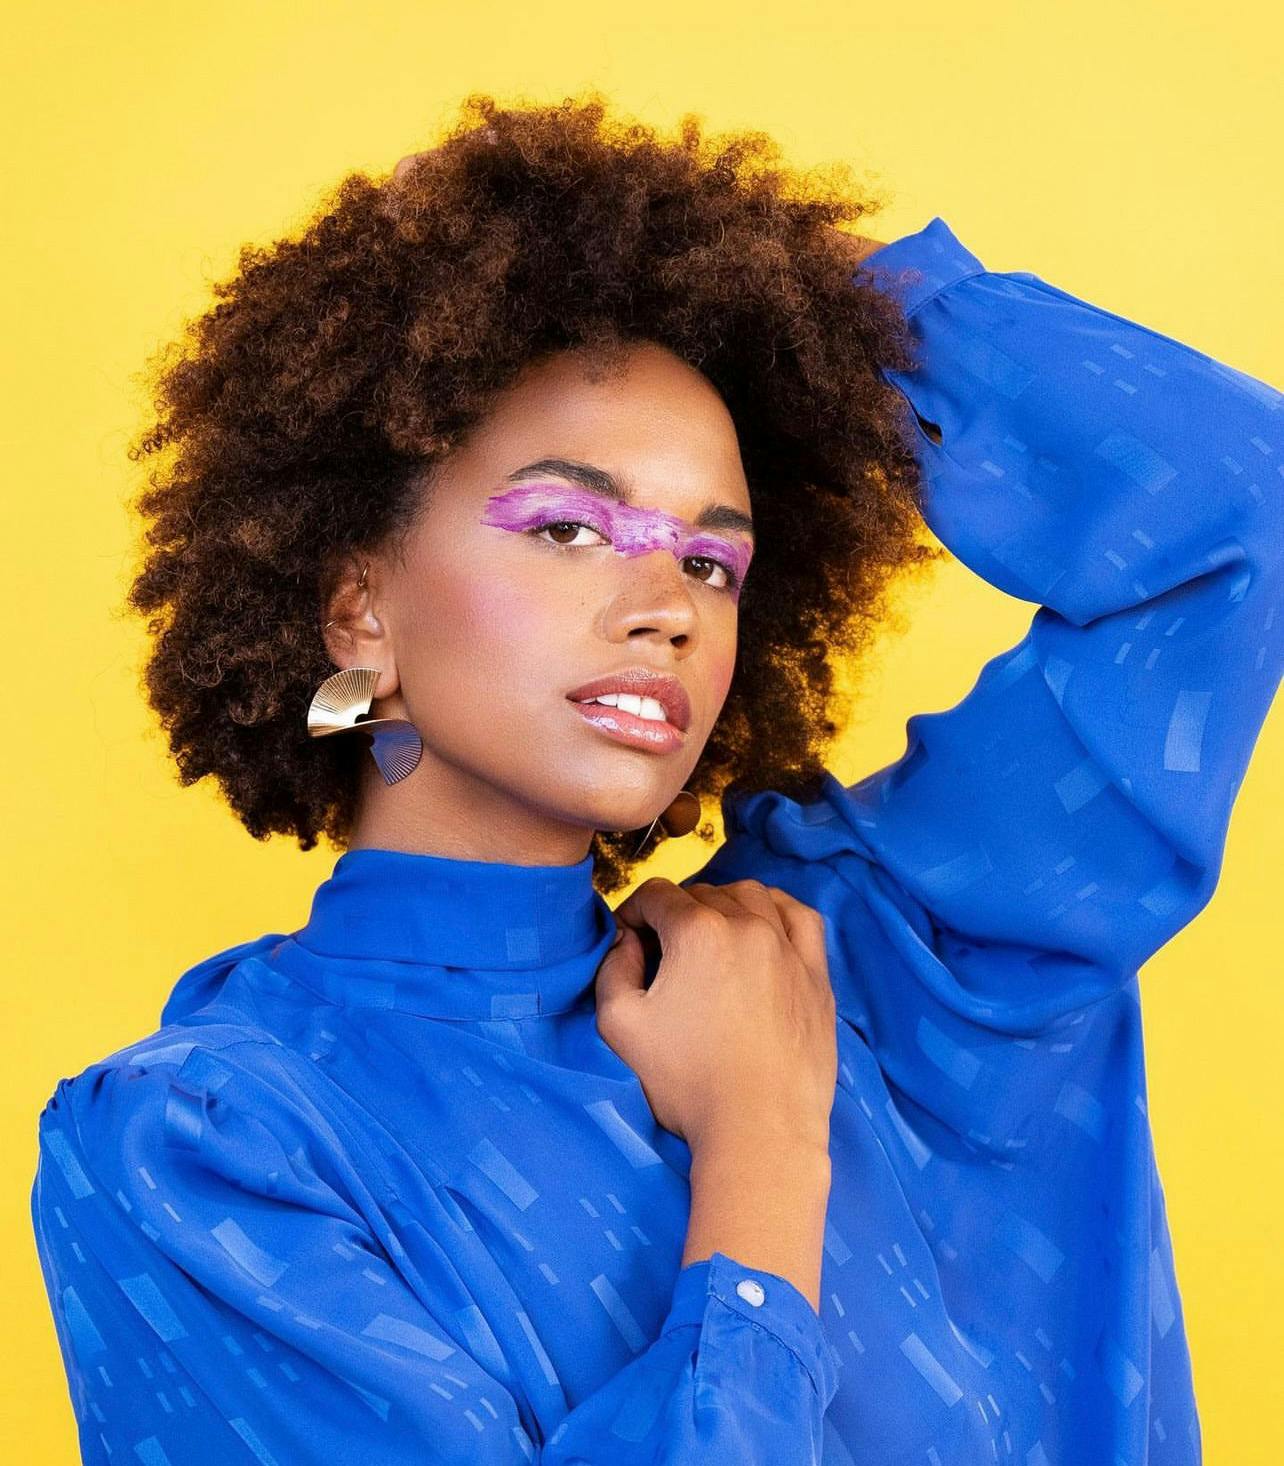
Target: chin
x,y
618,810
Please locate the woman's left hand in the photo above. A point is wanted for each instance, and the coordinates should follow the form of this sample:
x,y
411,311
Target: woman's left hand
x,y
403,167
858,246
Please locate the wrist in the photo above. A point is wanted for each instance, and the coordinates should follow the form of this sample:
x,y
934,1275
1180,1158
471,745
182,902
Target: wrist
x,y
797,1149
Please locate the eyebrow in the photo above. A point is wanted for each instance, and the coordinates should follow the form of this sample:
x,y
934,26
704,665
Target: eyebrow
x,y
598,481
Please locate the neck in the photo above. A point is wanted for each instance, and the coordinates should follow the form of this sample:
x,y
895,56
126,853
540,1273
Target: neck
x,y
442,810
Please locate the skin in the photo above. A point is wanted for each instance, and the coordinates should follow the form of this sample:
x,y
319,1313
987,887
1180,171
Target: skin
x,y
481,626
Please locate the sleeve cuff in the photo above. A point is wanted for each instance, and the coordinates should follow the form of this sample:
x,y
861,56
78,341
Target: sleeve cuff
x,y
917,266
763,1298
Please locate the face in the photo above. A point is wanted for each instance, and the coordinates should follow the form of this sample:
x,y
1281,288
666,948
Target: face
x,y
586,528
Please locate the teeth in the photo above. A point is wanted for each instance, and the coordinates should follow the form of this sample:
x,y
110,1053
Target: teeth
x,y
640,707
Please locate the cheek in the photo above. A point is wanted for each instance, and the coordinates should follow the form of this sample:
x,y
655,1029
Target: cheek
x,y
490,626
722,668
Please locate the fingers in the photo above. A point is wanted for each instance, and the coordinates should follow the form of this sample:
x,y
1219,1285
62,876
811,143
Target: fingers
x,y
622,971
658,903
802,925
734,897
392,200
806,929
392,203
405,165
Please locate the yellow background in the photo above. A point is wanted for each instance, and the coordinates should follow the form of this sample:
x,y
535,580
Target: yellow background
x,y
1127,153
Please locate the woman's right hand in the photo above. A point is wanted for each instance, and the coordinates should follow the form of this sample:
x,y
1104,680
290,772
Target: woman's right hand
x,y
735,1038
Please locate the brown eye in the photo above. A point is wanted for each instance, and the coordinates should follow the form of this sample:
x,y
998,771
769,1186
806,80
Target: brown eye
x,y
573,525
715,565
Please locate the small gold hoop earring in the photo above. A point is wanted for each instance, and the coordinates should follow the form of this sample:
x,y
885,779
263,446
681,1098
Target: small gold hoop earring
x,y
677,818
361,585
340,701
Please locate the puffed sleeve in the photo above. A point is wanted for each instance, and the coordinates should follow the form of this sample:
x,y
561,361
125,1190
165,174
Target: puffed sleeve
x,y
219,1296
1038,841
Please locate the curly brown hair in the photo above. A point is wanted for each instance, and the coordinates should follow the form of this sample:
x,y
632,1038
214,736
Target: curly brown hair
x,y
297,413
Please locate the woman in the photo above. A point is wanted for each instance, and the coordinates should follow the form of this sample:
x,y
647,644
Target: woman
x,y
841,1152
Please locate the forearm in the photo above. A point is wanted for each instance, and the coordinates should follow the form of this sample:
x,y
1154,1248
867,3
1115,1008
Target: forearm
x,y
763,1204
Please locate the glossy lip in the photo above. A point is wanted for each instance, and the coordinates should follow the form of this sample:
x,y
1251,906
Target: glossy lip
x,y
642,682
655,735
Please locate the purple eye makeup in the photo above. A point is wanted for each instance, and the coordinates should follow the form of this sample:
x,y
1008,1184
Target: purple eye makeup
x,y
528,508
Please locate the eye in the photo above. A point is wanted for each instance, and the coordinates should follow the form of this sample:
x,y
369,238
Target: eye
x,y
572,524
728,582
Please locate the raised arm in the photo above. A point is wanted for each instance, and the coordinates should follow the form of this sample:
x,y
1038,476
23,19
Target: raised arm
x,y
220,1296
1052,830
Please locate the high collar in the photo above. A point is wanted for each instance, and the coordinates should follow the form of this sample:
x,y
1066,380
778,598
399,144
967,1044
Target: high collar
x,y
446,938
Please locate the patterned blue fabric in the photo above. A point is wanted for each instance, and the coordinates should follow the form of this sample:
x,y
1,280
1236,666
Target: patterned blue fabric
x,y
376,1190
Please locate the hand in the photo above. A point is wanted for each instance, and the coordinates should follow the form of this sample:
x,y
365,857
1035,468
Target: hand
x,y
858,247
735,1038
391,203
405,166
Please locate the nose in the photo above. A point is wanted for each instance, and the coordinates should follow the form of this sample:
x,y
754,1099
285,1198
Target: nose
x,y
652,598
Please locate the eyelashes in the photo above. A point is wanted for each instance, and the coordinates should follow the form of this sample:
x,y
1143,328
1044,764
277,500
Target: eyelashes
x,y
530,509
732,579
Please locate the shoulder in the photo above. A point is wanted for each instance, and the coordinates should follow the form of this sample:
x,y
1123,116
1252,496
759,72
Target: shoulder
x,y
181,1048
201,1032
796,845
177,1094
178,1133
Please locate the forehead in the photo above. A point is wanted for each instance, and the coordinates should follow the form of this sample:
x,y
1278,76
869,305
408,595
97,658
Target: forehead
x,y
653,420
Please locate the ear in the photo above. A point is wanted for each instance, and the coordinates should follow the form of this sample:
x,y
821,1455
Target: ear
x,y
357,635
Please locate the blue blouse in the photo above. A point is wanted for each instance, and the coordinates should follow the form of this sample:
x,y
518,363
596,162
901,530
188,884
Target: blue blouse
x,y
376,1190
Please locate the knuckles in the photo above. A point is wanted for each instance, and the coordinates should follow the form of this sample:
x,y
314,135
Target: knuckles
x,y
695,916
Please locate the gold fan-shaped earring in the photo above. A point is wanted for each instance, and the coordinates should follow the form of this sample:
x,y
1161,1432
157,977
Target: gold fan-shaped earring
x,y
337,706
677,817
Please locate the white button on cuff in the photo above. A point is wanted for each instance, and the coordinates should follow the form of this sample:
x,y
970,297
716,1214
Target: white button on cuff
x,y
751,1291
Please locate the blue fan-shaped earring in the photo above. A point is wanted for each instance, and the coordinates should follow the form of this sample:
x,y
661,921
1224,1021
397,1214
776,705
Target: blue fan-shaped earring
x,y
337,707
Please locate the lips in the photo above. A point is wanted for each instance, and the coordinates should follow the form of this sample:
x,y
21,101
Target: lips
x,y
642,682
